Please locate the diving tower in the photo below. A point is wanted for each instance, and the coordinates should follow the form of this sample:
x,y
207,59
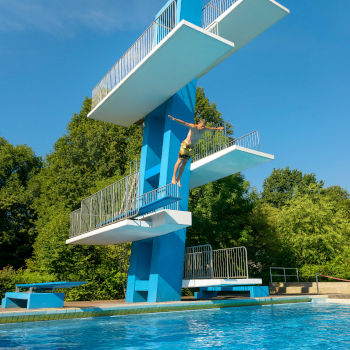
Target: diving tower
x,y
157,77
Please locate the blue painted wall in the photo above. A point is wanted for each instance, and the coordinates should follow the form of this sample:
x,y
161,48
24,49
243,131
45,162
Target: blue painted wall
x,y
158,262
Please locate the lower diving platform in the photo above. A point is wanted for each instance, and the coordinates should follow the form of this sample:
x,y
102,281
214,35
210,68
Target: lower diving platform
x,y
198,283
130,230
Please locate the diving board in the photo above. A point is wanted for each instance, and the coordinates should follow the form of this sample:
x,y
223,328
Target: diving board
x,y
179,58
245,20
212,282
224,163
148,226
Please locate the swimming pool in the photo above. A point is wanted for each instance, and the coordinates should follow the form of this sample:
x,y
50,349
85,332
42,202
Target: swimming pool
x,y
287,326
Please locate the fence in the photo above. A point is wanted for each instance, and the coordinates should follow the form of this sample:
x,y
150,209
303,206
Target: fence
x,y
230,263
198,262
153,35
213,10
117,202
113,203
284,273
203,262
215,141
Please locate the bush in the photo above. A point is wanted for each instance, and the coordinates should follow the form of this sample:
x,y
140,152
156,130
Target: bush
x,y
10,277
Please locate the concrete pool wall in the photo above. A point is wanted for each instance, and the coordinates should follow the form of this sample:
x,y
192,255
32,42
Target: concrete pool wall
x,y
113,308
309,287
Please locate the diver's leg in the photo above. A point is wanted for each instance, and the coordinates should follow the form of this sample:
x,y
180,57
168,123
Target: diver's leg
x,y
176,167
182,168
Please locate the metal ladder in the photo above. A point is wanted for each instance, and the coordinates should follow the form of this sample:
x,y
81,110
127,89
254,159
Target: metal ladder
x,y
123,263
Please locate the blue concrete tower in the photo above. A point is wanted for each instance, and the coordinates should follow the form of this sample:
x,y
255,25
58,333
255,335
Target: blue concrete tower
x,y
156,264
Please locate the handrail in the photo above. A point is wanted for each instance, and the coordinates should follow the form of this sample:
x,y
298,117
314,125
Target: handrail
x,y
215,141
118,202
203,262
198,262
213,10
152,36
284,272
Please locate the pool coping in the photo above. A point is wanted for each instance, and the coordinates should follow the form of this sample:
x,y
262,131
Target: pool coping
x,y
24,315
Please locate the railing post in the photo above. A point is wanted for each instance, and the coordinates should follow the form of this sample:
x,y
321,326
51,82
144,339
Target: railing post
x,y
211,263
225,131
126,197
193,263
228,274
90,212
101,209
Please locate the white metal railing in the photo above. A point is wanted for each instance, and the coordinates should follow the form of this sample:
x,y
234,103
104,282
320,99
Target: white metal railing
x,y
203,262
230,263
215,141
153,35
284,273
118,202
213,28
113,203
214,9
198,262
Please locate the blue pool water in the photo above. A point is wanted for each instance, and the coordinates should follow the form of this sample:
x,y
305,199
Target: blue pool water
x,y
288,326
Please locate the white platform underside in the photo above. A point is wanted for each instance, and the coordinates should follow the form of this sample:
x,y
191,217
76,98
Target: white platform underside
x,y
183,55
224,163
246,20
151,225
211,282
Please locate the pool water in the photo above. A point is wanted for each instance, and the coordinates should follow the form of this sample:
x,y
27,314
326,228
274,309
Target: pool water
x,y
288,326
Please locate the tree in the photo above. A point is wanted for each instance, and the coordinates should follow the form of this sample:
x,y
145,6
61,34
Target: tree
x,y
279,187
18,166
208,111
91,155
313,230
221,212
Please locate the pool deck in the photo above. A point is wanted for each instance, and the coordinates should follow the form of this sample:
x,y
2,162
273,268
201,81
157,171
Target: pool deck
x,y
102,308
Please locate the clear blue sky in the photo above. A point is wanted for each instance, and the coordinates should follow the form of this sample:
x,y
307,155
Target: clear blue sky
x,y
291,83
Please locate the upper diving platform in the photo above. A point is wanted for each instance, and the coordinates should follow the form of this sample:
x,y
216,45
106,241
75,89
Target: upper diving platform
x,y
169,56
241,21
185,53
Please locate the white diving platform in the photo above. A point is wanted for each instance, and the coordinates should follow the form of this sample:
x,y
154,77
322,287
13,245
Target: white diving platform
x,y
245,20
179,58
211,282
129,230
224,163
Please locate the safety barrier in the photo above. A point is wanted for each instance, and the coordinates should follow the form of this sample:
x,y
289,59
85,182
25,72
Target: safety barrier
x,y
215,141
213,10
120,201
203,262
284,273
153,35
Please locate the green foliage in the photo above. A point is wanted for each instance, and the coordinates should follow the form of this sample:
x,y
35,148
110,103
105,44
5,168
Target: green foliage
x,y
278,188
220,212
312,228
90,156
310,232
208,111
18,166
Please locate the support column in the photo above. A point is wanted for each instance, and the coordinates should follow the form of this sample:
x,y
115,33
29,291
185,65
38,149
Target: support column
x,y
156,265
